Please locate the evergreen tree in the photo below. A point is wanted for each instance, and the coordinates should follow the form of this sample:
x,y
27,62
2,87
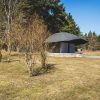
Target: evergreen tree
x,y
51,11
71,26
85,36
98,38
93,41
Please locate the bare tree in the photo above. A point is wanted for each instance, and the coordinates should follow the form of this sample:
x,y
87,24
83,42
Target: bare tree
x,y
9,9
17,31
34,40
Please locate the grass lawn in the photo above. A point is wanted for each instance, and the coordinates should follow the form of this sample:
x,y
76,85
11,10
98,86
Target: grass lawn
x,y
69,79
92,53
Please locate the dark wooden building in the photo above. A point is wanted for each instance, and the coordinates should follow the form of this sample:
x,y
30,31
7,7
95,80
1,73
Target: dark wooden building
x,y
64,42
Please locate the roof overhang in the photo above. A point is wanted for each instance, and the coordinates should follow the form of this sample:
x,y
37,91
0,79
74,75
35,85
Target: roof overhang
x,y
65,37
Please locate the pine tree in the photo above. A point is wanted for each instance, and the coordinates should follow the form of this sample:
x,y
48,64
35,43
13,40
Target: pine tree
x,y
71,26
93,42
98,42
85,36
51,11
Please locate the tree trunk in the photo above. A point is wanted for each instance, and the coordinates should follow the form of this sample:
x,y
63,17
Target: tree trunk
x,y
30,63
9,48
0,56
18,49
43,57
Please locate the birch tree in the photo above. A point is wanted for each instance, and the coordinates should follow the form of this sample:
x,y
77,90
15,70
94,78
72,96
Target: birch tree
x,y
9,7
34,41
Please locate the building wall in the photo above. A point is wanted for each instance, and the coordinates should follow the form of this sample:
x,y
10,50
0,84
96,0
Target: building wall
x,y
67,47
72,48
54,48
62,47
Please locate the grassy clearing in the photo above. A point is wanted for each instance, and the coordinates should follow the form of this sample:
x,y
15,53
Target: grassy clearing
x,y
92,53
69,79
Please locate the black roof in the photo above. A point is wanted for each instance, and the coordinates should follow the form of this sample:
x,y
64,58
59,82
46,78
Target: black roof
x,y
65,37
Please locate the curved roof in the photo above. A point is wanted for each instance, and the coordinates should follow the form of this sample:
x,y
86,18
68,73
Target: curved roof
x,y
65,37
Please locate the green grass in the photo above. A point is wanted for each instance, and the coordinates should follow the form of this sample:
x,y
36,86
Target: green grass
x,y
70,79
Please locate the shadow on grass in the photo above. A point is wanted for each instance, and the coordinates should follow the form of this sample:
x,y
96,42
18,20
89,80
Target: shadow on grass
x,y
17,55
12,57
48,69
10,61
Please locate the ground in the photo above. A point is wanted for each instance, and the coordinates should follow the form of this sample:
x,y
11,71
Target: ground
x,y
68,79
92,53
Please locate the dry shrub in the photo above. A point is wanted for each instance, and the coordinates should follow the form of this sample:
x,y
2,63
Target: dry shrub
x,y
34,40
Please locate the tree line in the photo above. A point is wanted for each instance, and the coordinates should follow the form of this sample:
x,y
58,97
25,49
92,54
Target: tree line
x,y
93,43
51,11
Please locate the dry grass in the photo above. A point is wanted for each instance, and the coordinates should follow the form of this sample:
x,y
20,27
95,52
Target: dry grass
x,y
69,79
92,53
